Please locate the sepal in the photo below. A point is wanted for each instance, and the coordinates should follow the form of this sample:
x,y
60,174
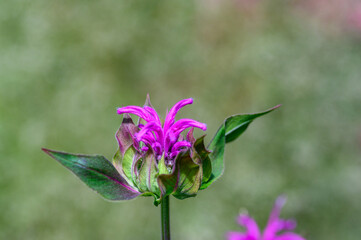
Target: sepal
x,y
127,164
148,173
185,179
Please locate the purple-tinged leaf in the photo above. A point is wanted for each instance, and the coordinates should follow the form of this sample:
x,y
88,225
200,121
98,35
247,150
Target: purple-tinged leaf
x,y
190,136
147,102
96,172
125,133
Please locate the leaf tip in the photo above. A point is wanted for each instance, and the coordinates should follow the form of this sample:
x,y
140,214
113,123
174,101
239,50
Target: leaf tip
x,y
277,106
47,151
127,119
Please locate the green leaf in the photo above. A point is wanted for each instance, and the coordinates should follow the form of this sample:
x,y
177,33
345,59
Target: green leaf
x,y
98,173
126,165
185,179
200,152
168,183
128,161
148,173
230,130
190,178
156,197
117,163
207,169
200,148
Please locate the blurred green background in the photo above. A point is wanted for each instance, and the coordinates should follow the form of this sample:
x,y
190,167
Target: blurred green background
x,y
66,65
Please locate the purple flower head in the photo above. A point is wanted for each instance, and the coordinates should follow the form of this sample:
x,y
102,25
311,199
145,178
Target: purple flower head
x,y
164,139
274,226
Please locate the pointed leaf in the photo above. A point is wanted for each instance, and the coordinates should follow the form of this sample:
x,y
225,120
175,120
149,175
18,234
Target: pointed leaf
x,y
96,172
236,125
231,129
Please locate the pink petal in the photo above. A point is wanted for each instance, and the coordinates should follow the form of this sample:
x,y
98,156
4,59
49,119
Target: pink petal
x,y
270,231
250,224
169,120
182,144
288,224
157,148
278,225
185,123
144,149
280,201
149,127
153,113
274,224
140,112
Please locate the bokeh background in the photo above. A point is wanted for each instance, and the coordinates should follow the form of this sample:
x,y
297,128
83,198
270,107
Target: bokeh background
x,y
66,65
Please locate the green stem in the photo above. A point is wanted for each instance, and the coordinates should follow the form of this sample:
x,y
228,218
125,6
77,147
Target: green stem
x,y
165,218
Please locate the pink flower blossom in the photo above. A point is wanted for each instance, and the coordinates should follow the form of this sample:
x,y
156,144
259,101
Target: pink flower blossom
x,y
274,225
163,138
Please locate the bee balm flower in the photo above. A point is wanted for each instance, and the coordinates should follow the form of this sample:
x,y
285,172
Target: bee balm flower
x,y
274,225
164,139
154,158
